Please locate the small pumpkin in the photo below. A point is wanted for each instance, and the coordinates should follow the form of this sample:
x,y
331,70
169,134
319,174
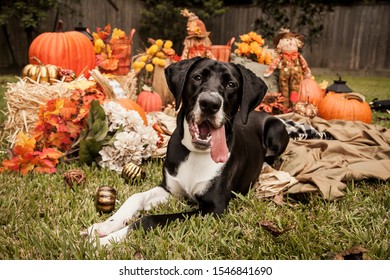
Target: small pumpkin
x,y
311,92
105,199
40,72
69,50
131,172
149,101
305,109
345,106
132,105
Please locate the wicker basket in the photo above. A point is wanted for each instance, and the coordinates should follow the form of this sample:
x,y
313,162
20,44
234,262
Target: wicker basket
x,y
222,52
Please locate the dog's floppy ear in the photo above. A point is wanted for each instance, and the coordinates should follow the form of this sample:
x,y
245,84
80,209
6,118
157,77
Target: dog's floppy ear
x,y
176,75
253,91
275,138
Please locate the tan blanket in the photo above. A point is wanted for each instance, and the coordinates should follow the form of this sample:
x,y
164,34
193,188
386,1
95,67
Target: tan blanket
x,y
359,151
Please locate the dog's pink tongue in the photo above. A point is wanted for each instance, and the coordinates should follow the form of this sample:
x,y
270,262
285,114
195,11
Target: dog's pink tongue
x,y
219,150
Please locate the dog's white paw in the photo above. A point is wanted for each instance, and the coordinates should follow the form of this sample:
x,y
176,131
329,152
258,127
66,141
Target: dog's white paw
x,y
106,240
114,237
99,229
104,228
103,234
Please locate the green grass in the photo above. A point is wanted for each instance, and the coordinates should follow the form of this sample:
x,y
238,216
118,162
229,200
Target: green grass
x,y
3,103
40,218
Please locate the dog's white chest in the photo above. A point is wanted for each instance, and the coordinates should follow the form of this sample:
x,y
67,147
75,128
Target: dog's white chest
x,y
194,175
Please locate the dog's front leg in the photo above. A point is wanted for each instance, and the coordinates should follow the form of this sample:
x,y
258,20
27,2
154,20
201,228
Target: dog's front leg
x,y
134,204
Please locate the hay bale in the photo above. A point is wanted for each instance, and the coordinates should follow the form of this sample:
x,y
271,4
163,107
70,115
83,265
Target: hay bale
x,y
24,99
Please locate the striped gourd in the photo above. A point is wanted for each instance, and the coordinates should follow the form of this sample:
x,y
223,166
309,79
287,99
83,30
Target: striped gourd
x,y
105,199
132,172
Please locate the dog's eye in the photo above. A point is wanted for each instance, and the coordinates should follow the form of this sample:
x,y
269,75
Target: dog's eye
x,y
197,78
231,85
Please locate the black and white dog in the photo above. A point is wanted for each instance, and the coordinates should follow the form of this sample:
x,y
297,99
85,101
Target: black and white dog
x,y
218,147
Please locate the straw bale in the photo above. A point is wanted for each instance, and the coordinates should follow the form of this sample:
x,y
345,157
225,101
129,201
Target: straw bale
x,y
24,99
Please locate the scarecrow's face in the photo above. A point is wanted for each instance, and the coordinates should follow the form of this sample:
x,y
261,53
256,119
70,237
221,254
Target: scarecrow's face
x,y
291,44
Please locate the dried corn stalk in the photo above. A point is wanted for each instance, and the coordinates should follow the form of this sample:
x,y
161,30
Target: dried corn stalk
x,y
103,81
128,83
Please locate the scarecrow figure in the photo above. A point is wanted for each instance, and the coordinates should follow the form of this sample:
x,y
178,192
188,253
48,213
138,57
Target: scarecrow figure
x,y
291,64
197,42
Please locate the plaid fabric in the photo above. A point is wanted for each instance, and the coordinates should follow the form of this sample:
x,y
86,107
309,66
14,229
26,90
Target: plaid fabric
x,y
302,131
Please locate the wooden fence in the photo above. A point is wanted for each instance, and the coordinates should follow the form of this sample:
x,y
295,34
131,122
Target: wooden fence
x,y
354,38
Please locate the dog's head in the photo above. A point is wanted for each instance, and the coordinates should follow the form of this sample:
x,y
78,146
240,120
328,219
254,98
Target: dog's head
x,y
210,94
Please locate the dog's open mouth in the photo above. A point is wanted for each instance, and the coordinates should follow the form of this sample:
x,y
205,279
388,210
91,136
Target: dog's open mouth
x,y
201,134
205,136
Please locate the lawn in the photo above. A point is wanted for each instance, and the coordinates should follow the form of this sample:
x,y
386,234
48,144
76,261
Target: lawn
x,y
41,218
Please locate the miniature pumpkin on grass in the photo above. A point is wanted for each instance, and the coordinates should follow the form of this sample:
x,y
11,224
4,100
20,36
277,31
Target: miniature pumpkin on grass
x,y
69,50
345,106
105,199
131,172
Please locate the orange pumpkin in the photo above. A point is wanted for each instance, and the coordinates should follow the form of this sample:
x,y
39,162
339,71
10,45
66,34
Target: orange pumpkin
x,y
311,92
149,101
345,106
69,50
132,105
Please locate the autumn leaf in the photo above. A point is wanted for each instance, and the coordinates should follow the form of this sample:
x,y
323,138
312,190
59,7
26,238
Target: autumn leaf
x,y
61,140
74,129
99,45
45,169
49,153
19,163
69,111
109,51
25,168
103,34
89,95
47,160
24,144
76,95
118,34
271,227
52,107
107,28
12,164
109,64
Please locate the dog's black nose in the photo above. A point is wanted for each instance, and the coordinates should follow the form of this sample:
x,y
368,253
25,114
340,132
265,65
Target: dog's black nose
x,y
209,104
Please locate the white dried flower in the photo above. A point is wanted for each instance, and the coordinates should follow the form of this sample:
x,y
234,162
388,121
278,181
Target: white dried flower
x,y
135,143
117,116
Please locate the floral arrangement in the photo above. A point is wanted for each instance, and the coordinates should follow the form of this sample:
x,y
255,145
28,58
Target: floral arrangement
x,y
273,104
134,143
252,47
59,124
81,128
103,45
154,56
